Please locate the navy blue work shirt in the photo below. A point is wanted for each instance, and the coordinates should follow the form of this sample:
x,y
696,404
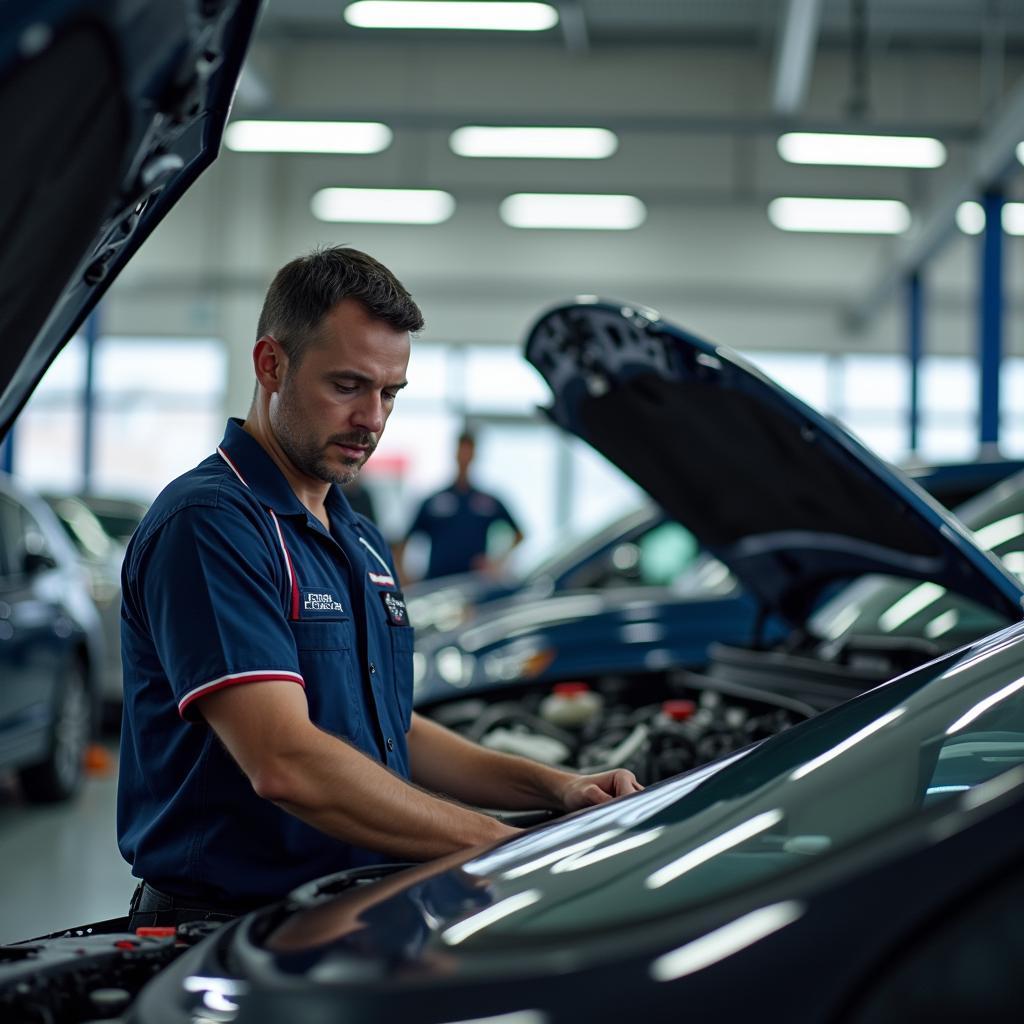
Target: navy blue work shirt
x,y
230,580
457,521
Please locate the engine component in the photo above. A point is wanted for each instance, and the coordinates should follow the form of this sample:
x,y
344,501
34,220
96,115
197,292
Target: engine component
x,y
571,705
595,727
528,744
78,977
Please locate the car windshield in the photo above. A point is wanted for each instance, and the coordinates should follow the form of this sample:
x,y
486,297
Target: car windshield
x,y
531,563
835,781
893,606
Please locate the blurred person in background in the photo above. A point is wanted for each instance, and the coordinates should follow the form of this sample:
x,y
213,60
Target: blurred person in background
x,y
457,521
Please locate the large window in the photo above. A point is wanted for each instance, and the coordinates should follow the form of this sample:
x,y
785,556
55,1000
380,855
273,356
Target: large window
x,y
158,411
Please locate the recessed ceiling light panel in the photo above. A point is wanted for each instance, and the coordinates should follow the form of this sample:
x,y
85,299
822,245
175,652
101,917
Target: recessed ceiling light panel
x,y
845,216
307,136
970,218
497,16
383,205
534,143
861,150
572,212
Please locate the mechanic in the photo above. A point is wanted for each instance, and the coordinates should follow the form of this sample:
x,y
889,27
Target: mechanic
x,y
457,521
268,734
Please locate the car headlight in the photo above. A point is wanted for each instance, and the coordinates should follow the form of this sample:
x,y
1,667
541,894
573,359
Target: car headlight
x,y
454,666
441,611
524,660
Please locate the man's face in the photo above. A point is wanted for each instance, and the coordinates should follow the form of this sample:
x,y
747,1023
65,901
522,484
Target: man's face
x,y
464,455
330,410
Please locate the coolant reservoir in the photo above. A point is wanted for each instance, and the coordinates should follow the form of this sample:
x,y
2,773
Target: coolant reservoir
x,y
571,705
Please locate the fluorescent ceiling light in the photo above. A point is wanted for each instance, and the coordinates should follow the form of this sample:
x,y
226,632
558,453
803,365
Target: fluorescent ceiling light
x,y
572,212
307,136
970,218
1013,218
383,205
861,150
452,14
854,216
534,143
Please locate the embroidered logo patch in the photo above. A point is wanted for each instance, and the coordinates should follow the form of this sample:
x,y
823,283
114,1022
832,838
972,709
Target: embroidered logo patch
x,y
394,605
381,579
320,604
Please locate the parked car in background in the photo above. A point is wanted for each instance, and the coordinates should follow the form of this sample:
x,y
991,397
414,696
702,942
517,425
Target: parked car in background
x,y
51,649
118,516
101,556
643,547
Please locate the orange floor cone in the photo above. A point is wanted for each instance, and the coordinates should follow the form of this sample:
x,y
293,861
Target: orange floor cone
x,y
98,760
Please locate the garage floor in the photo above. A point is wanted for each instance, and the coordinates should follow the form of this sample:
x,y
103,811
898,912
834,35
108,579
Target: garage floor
x,y
59,864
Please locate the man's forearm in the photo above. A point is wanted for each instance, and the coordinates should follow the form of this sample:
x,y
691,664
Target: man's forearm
x,y
340,791
444,762
331,785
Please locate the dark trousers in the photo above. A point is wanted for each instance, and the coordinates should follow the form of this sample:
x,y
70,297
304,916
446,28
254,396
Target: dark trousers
x,y
151,908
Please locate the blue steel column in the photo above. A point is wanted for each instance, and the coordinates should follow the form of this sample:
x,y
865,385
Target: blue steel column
x,y
991,318
92,333
915,346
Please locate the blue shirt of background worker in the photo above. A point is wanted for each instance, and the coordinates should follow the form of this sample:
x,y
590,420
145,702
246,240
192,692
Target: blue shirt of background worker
x,y
458,519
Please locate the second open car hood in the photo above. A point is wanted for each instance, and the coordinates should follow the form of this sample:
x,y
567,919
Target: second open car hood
x,y
785,497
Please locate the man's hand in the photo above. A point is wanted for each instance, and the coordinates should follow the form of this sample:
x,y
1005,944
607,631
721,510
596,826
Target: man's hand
x,y
587,790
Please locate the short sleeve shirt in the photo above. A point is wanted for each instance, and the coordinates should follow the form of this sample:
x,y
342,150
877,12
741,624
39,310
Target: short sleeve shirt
x,y
230,581
456,523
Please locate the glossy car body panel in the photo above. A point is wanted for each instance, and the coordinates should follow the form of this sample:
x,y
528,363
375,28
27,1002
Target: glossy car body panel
x,y
884,825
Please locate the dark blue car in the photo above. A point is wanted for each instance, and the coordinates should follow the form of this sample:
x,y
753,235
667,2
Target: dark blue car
x,y
51,650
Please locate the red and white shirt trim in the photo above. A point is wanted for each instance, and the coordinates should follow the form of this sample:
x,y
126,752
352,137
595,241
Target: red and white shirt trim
x,y
263,675
293,583
384,579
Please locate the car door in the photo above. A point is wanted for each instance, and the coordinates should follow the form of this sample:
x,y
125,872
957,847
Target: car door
x,y
30,641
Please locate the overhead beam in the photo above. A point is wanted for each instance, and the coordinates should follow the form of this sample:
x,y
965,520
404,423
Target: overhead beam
x,y
574,26
794,55
990,163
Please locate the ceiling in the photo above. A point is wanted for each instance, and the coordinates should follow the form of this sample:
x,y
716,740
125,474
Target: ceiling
x,y
691,87
960,24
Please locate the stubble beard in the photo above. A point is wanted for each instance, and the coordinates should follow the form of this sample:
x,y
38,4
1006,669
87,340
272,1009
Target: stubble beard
x,y
308,454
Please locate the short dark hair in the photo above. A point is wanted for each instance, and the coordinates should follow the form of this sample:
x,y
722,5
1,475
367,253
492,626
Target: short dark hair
x,y
306,289
467,437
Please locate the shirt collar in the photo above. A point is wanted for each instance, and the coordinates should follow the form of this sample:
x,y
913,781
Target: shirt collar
x,y
257,469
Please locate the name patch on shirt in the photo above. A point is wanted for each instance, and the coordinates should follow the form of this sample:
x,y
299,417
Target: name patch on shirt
x,y
320,604
394,605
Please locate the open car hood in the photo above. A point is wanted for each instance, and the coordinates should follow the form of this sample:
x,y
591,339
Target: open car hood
x,y
110,110
785,497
